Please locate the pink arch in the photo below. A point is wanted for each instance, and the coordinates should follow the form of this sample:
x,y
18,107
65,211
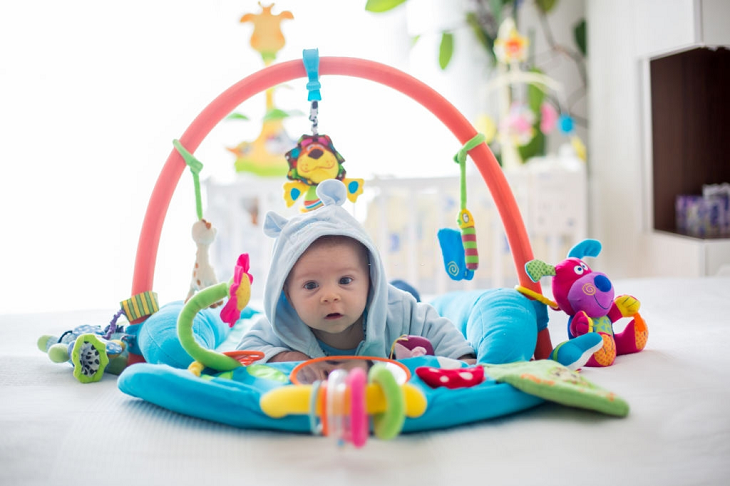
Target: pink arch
x,y
286,71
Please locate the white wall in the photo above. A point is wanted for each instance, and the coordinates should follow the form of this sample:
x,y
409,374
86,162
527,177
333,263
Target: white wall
x,y
94,92
615,168
622,36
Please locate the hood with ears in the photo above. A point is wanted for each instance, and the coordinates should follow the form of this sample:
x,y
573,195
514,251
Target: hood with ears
x,y
293,237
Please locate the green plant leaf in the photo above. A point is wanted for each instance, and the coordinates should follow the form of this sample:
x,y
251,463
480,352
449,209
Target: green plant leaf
x,y
546,5
378,6
237,116
446,49
496,7
535,147
535,95
277,114
580,36
482,36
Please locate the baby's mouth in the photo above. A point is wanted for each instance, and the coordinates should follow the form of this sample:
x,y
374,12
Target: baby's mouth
x,y
334,315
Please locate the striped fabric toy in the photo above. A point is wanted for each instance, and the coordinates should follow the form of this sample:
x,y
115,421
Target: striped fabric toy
x,y
469,239
140,305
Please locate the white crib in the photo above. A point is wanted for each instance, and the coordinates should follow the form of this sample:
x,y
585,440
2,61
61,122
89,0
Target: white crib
x,y
403,216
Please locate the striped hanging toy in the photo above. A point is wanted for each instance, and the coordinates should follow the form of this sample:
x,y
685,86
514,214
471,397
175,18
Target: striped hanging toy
x,y
459,249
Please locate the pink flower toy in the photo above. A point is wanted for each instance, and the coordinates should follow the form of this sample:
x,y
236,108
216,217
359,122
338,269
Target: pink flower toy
x,y
240,291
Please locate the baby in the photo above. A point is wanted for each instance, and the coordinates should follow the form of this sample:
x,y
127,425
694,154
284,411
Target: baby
x,y
327,294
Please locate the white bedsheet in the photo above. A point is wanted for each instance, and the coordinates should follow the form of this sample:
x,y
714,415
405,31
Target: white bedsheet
x,y
55,430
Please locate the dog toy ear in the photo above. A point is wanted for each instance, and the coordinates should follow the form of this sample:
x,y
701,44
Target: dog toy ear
x,y
536,269
332,192
586,248
273,224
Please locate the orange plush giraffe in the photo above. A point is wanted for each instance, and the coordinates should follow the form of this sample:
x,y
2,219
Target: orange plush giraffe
x,y
265,155
267,38
203,273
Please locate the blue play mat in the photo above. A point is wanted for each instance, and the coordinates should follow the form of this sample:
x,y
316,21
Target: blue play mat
x,y
235,401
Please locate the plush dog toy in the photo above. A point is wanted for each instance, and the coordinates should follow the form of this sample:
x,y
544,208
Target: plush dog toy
x,y
588,298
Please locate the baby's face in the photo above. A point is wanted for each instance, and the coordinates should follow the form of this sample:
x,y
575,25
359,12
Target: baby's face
x,y
328,287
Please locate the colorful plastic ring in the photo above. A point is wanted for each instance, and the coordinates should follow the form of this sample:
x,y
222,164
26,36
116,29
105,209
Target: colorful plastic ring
x,y
388,424
335,408
314,426
245,357
356,382
323,409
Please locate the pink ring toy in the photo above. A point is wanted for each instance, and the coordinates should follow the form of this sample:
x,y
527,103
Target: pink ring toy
x,y
283,72
356,381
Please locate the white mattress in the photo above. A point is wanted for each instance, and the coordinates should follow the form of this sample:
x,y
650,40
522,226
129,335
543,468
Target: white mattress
x,y
55,430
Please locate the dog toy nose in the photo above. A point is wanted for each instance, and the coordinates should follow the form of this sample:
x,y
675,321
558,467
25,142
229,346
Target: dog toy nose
x,y
603,283
316,153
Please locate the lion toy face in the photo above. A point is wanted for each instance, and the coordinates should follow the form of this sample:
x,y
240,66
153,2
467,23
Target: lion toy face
x,y
314,160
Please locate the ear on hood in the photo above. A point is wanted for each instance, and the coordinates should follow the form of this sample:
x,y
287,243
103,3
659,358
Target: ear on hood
x,y
332,192
273,224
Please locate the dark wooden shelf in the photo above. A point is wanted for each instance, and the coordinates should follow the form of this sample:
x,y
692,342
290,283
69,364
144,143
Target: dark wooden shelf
x,y
690,110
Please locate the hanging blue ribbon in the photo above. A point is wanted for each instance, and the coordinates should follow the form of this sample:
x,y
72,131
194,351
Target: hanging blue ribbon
x,y
311,64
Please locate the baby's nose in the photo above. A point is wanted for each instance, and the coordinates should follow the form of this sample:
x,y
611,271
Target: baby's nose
x,y
330,295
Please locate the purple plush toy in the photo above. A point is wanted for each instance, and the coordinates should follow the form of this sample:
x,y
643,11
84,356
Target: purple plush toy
x,y
411,346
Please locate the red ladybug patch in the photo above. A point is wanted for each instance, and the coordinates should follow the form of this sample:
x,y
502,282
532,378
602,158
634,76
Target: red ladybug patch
x,y
453,378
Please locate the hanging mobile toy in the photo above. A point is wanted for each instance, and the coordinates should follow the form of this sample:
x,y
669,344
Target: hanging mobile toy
x,y
459,249
315,159
203,232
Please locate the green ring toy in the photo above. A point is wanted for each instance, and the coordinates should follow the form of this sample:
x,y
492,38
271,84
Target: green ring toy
x,y
388,424
198,302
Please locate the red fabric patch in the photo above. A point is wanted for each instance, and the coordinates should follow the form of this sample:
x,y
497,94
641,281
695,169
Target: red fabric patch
x,y
456,378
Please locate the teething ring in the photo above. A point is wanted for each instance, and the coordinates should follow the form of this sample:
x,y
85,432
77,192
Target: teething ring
x,y
245,357
335,406
356,382
388,424
314,426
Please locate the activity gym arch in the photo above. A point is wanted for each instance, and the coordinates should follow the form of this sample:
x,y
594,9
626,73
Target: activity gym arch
x,y
283,72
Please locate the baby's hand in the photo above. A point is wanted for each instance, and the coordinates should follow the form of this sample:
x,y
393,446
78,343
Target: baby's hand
x,y
319,371
289,356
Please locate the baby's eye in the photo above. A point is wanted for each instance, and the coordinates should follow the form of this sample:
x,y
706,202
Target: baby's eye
x,y
345,280
310,285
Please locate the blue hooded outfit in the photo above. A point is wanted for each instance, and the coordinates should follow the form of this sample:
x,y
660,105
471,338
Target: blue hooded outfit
x,y
389,314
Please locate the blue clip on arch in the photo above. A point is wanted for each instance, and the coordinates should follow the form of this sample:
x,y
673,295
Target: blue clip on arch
x,y
311,64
